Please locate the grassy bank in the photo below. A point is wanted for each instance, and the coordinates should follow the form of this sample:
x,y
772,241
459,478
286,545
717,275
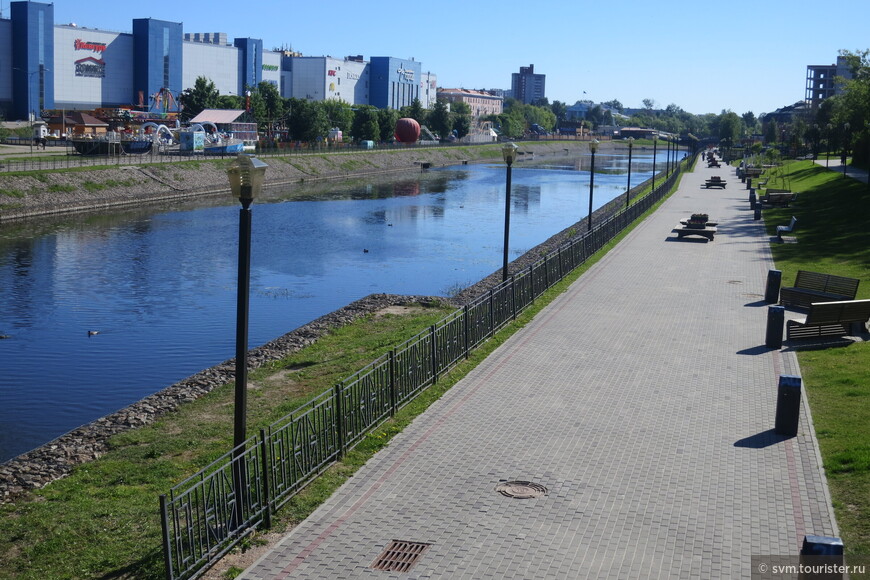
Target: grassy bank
x,y
833,237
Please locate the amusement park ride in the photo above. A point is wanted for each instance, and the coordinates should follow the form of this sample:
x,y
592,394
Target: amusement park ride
x,y
139,130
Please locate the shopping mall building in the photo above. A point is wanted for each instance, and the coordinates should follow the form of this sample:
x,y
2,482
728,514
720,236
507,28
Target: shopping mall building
x,y
46,66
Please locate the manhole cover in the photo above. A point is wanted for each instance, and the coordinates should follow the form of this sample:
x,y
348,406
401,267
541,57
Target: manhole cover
x,y
521,489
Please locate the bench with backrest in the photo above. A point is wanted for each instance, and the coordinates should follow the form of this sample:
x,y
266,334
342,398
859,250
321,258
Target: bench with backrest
x,y
787,229
831,319
778,199
714,181
810,287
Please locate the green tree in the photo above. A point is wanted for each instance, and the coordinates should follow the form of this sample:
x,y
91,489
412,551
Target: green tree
x,y
273,106
203,95
339,114
365,124
230,102
439,120
615,105
730,129
308,121
414,111
387,123
462,125
560,111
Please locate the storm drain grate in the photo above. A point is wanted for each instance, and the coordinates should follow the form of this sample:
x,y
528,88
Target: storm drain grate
x,y
400,556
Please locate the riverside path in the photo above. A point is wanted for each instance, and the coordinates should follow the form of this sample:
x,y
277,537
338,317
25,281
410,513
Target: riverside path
x,y
639,406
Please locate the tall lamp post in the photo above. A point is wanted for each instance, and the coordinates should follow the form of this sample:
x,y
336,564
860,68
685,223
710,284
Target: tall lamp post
x,y
628,187
593,147
846,128
830,128
245,174
655,144
509,153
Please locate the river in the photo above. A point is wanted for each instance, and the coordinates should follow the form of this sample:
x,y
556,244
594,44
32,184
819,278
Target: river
x,y
101,310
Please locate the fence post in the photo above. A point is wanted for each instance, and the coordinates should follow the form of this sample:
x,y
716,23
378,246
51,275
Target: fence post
x,y
339,419
546,273
393,382
434,351
465,328
267,499
513,296
167,544
532,283
491,329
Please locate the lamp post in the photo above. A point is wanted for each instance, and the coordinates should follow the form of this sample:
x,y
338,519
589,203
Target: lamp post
x,y
509,153
830,128
593,147
628,186
655,144
245,174
846,128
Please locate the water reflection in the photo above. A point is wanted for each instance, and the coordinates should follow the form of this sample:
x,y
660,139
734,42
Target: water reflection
x,y
158,284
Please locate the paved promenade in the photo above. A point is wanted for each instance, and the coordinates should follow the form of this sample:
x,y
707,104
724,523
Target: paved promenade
x,y
642,399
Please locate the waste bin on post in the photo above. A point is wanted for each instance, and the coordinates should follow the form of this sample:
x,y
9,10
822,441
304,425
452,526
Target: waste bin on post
x,y
751,199
788,405
775,324
771,291
748,183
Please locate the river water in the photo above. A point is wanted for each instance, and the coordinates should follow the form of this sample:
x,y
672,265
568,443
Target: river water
x,y
158,285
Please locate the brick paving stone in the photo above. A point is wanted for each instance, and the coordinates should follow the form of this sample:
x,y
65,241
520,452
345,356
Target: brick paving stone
x,y
642,398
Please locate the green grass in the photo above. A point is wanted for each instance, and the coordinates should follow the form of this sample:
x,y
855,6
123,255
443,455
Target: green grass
x,y
833,238
60,188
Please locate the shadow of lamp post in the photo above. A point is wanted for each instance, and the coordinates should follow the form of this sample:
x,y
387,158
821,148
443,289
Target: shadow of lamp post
x,y
628,186
245,174
509,153
593,147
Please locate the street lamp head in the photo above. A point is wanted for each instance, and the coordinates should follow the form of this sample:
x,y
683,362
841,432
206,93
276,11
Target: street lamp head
x,y
593,145
630,142
655,136
246,177
509,152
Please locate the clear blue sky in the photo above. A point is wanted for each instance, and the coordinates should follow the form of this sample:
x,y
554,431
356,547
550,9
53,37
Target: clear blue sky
x,y
702,56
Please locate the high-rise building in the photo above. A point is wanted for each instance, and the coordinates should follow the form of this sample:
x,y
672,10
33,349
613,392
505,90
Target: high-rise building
x,y
526,86
821,80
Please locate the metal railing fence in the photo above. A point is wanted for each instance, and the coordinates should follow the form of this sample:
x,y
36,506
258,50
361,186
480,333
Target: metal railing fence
x,y
198,515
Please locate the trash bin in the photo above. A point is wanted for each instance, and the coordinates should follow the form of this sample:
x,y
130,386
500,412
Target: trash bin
x,y
771,291
788,405
775,325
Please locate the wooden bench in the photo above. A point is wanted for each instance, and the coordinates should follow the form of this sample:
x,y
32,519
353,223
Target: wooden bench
x,y
714,182
778,199
811,287
831,319
753,171
684,230
787,230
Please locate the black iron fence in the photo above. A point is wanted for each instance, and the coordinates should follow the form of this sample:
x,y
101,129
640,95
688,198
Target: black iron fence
x,y
207,514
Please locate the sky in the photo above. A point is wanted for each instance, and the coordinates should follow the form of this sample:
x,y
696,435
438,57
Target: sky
x,y
704,57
